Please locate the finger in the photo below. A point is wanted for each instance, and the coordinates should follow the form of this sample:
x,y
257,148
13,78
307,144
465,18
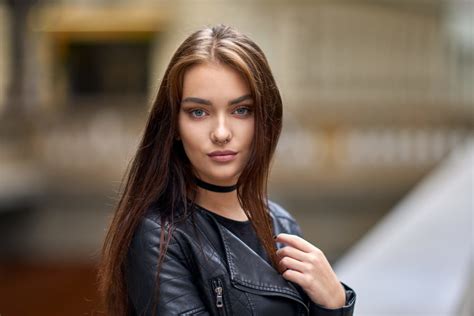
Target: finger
x,y
295,241
294,276
289,251
290,263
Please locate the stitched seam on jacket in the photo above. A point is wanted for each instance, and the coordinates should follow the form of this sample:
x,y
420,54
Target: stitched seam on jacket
x,y
264,287
210,242
252,307
231,264
192,311
176,229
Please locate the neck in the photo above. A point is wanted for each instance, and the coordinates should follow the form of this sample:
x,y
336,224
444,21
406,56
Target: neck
x,y
215,187
223,203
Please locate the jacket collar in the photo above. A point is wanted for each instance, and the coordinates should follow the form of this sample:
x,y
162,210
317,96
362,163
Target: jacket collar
x,y
250,271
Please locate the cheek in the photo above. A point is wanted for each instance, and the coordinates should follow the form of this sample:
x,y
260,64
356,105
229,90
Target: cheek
x,y
191,137
249,133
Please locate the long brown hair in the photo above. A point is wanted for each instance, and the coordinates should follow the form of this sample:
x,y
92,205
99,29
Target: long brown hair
x,y
160,170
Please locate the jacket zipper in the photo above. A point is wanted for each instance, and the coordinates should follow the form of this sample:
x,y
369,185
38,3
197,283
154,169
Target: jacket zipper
x,y
219,295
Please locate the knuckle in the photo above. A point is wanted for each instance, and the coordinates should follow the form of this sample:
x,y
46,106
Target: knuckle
x,y
310,268
317,251
313,258
285,260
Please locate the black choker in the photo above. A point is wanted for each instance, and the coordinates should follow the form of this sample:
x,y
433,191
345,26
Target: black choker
x,y
213,187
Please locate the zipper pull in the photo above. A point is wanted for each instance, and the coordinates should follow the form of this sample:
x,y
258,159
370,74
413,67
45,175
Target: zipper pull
x,y
219,301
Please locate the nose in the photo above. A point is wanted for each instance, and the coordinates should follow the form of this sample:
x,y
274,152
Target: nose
x,y
221,132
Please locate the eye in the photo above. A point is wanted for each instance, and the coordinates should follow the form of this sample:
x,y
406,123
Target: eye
x,y
198,113
243,111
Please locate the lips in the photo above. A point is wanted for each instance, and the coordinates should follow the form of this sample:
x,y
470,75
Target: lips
x,y
222,153
223,156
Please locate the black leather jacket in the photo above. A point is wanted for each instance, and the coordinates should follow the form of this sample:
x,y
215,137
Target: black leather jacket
x,y
210,271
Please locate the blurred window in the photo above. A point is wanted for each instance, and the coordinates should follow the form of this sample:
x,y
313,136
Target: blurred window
x,y
108,68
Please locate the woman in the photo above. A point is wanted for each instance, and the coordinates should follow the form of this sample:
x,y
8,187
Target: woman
x,y
194,232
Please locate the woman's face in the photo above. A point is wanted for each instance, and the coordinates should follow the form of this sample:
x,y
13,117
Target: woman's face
x,y
216,106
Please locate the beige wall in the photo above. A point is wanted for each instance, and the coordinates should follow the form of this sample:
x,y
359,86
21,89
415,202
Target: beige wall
x,y
4,55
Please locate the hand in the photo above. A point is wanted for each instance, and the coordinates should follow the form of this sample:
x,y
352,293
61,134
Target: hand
x,y
307,266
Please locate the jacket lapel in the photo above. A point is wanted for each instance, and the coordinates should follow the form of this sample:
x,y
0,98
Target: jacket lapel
x,y
250,271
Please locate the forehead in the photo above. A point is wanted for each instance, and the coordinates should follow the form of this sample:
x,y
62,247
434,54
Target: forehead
x,y
212,80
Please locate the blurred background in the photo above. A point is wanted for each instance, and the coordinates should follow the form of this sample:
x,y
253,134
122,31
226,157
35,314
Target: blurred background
x,y
378,120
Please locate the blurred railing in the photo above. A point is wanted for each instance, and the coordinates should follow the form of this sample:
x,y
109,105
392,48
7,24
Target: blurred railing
x,y
419,259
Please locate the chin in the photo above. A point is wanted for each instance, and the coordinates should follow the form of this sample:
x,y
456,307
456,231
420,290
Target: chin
x,y
222,177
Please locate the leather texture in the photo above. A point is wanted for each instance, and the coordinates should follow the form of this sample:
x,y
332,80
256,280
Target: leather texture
x,y
210,271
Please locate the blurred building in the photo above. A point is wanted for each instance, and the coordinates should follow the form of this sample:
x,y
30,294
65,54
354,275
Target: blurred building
x,y
376,93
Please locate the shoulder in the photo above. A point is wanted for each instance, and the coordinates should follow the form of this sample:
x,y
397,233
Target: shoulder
x,y
149,226
144,246
176,229
279,211
150,223
287,223
146,236
147,232
151,219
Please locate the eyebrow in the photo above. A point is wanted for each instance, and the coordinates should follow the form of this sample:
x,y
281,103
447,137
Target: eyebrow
x,y
207,102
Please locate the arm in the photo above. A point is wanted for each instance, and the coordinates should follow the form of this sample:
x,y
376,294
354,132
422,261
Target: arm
x,y
317,310
178,295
